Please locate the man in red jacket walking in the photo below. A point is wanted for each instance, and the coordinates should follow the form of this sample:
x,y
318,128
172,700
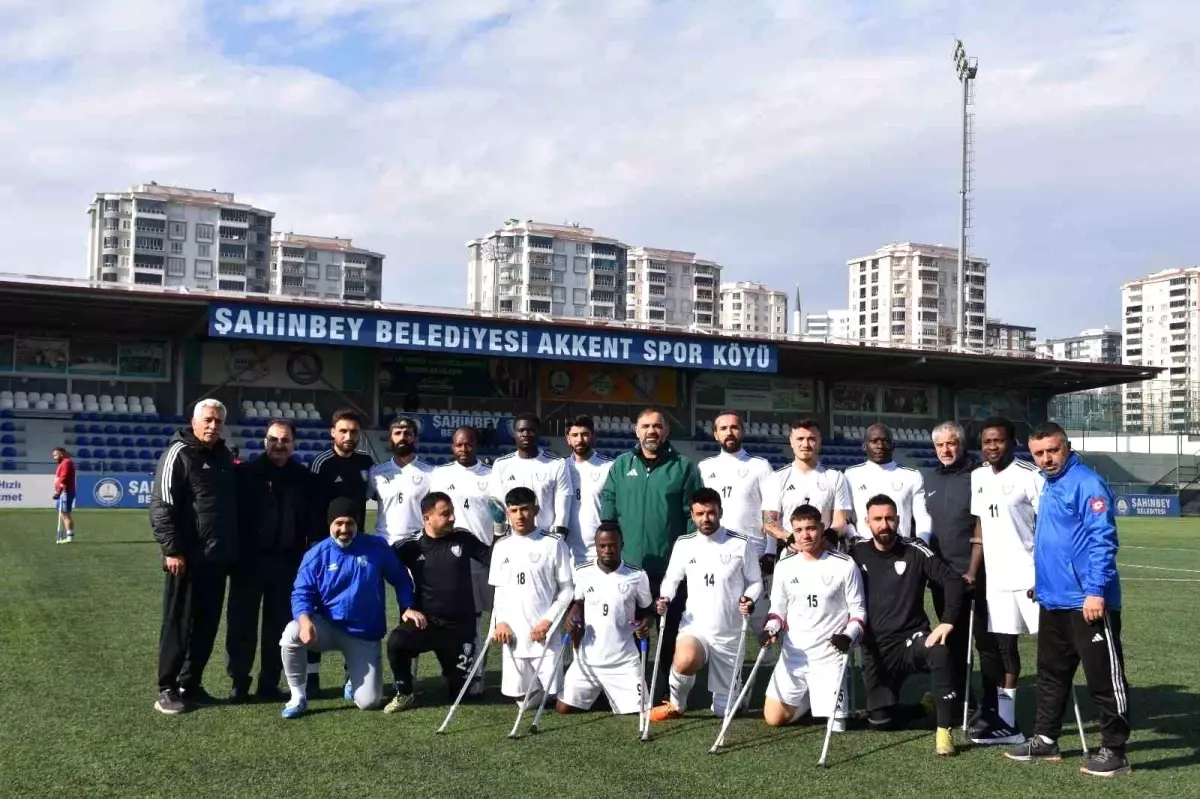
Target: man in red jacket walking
x,y
64,494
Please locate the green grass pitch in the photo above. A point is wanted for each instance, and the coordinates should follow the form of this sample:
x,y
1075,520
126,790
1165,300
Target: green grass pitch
x,y
78,631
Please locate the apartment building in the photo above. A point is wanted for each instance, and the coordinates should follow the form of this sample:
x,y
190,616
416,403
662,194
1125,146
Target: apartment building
x,y
906,294
830,326
154,235
324,267
1160,328
1005,338
558,270
672,287
748,307
1094,345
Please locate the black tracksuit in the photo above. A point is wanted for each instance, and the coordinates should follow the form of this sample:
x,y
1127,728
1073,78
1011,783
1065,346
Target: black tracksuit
x,y
443,592
193,513
948,500
275,513
894,644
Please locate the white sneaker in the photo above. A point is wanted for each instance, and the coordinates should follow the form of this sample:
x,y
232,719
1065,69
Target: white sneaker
x,y
839,725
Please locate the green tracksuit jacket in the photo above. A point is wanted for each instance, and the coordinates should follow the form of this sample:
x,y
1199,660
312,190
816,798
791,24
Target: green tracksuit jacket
x,y
652,502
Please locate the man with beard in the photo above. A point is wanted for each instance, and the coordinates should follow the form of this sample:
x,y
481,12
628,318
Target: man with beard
x,y
193,513
275,521
588,471
467,481
399,484
539,470
806,481
648,493
898,642
340,471
880,474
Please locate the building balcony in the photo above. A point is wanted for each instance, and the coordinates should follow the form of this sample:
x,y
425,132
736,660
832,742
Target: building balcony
x,y
604,297
538,275
148,208
236,218
541,245
703,281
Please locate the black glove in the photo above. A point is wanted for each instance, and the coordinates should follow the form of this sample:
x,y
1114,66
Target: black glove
x,y
561,531
840,642
766,564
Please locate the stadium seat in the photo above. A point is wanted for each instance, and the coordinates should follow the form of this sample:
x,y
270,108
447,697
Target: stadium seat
x,y
6,394
6,404
308,406
8,438
84,452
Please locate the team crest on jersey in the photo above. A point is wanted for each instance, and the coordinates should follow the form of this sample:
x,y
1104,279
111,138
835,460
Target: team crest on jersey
x,y
1007,488
417,479
822,485
726,558
539,476
363,475
743,472
827,579
362,560
595,476
482,485
900,567
457,550
897,485
624,588
534,557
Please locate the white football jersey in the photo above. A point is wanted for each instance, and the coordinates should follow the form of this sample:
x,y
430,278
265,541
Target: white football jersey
x,y
740,479
587,484
903,485
719,569
532,577
610,602
824,489
399,491
546,474
469,488
817,599
1006,504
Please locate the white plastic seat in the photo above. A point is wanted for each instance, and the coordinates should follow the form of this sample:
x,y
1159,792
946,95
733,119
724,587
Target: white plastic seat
x,y
285,406
6,395
289,414
147,400
6,404
21,395
247,404
21,405
60,397
262,406
42,405
76,407
308,406
75,398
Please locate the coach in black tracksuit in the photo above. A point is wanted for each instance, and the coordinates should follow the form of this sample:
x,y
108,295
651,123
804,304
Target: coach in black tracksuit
x,y
895,572
275,520
193,513
440,563
957,540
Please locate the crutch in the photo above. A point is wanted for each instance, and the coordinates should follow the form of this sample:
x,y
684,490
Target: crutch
x,y
735,679
1079,721
970,653
643,710
470,675
537,671
558,659
654,679
742,697
58,528
833,716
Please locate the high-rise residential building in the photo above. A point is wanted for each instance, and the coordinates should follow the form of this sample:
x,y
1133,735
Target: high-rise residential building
x,y
907,295
831,326
324,267
1161,328
154,235
1094,345
672,287
558,270
1005,338
753,308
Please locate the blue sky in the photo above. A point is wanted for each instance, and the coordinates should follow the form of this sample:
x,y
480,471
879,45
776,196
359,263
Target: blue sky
x,y
780,138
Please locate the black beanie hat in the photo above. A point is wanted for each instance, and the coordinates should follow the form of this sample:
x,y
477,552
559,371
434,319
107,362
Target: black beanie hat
x,y
342,506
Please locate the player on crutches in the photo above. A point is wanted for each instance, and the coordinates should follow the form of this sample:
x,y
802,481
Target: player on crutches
x,y
723,582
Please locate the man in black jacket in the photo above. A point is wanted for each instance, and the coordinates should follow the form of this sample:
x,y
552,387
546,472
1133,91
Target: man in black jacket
x,y
958,540
440,563
193,513
898,641
275,521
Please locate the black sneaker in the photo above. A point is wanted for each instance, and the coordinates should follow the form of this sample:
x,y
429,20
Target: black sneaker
x,y
978,722
1035,749
197,696
169,703
999,734
1107,763
239,694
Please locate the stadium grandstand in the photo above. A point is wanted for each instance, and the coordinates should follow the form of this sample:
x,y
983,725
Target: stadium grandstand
x,y
112,373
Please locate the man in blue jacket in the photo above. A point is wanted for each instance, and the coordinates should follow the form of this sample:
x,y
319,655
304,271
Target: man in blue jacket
x,y
338,604
1079,591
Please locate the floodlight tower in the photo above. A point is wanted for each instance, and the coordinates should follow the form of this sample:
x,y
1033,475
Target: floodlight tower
x,y
967,69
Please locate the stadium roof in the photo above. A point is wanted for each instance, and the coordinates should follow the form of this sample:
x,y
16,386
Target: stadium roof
x,y
81,306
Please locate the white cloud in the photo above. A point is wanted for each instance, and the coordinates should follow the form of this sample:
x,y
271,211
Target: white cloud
x,y
778,138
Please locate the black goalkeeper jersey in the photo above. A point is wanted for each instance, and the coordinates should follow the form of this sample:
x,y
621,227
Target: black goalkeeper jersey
x,y
334,477
441,572
895,582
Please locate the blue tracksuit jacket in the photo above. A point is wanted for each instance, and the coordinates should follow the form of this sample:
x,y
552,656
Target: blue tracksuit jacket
x,y
1075,541
346,585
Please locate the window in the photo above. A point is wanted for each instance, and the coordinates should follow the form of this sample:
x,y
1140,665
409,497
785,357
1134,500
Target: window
x,y
874,305
558,277
874,318
312,271
333,272
202,269
560,262
311,255
558,294
147,243
230,285
147,280
874,291
862,280
579,296
897,316
874,331
580,249
176,247
177,230
176,267
204,250
581,265
204,232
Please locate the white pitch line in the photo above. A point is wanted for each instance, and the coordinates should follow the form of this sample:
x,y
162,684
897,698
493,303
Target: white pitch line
x,y
1163,579
1158,568
1163,549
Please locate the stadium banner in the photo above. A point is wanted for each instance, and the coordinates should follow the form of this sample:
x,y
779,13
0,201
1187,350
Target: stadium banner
x,y
102,491
737,393
243,363
22,490
441,426
1147,505
442,376
583,382
479,337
